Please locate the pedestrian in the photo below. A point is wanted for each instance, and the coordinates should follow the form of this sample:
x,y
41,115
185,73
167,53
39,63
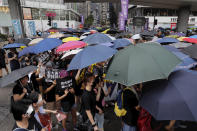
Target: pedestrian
x,y
3,62
13,59
22,111
88,108
130,105
19,91
66,95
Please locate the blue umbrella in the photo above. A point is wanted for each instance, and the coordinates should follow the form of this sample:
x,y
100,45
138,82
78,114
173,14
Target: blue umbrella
x,y
26,51
14,45
193,36
91,55
121,43
186,63
173,99
97,38
46,44
168,40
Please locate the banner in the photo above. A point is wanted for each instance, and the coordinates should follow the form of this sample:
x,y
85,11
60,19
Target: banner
x,y
124,7
82,19
146,24
43,58
52,74
32,27
17,27
121,22
65,83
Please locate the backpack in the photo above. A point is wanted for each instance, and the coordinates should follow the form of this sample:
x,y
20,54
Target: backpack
x,y
144,121
118,109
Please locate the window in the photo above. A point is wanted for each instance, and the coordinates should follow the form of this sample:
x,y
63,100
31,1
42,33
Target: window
x,y
35,14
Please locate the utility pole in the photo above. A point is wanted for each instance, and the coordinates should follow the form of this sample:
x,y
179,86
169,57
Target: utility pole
x,y
17,18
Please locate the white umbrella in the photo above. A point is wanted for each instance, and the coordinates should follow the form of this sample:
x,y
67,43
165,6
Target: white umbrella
x,y
71,53
56,35
181,45
35,41
113,38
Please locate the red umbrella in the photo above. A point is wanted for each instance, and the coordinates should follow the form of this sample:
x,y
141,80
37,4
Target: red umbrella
x,y
190,40
71,45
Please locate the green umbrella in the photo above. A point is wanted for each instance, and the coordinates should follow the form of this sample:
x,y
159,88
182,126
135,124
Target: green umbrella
x,y
140,63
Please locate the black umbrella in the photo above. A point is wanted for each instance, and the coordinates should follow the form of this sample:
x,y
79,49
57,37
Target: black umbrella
x,y
23,40
191,51
122,34
16,75
147,33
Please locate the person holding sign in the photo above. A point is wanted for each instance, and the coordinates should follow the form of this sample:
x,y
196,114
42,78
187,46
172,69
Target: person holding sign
x,y
66,94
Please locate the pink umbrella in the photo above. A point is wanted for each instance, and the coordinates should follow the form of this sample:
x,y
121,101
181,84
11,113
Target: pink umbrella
x,y
71,45
190,40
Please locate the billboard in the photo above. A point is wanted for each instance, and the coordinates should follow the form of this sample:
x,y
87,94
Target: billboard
x,y
27,14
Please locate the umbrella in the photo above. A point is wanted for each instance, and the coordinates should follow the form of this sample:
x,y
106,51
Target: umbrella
x,y
186,63
73,52
121,43
105,31
26,51
45,45
35,41
181,38
178,34
91,55
56,35
141,63
190,40
109,44
147,33
97,38
171,48
180,45
23,40
193,36
173,99
167,40
191,51
111,37
122,34
71,45
16,75
14,45
70,39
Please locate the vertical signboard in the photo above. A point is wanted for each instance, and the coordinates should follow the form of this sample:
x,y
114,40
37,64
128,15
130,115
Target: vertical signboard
x,y
32,27
82,19
121,22
17,27
124,7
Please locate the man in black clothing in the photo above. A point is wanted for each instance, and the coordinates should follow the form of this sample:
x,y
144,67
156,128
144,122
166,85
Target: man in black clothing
x,y
130,102
22,111
3,61
13,58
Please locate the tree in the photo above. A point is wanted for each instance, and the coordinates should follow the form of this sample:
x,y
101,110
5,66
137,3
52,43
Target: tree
x,y
112,16
89,21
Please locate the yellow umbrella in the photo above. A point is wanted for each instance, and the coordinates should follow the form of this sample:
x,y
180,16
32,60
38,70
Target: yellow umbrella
x,y
173,36
70,39
181,38
22,47
105,31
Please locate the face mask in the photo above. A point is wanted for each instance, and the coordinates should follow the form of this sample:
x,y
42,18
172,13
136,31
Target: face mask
x,y
29,110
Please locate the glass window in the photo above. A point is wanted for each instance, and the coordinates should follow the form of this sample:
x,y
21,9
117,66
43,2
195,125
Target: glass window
x,y
35,14
62,15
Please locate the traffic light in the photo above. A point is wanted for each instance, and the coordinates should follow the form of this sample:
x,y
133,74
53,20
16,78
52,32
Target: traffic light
x,y
155,22
49,21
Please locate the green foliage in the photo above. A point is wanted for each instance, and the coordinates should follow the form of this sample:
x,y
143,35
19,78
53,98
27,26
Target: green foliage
x,y
3,37
89,21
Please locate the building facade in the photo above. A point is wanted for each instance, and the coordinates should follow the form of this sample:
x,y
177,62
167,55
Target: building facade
x,y
166,18
65,15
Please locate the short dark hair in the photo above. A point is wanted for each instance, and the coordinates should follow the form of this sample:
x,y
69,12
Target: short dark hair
x,y
34,97
19,108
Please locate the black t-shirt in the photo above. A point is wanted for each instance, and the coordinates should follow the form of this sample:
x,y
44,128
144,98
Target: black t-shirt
x,y
18,90
34,82
99,103
2,56
49,96
88,103
129,103
33,125
62,85
14,64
